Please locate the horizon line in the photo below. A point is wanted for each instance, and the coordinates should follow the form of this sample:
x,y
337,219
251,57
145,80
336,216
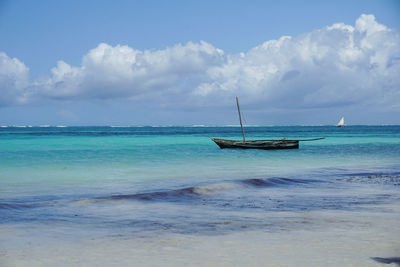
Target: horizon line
x,y
194,125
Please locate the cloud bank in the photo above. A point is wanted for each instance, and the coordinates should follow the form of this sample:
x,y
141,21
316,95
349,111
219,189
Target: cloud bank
x,y
339,65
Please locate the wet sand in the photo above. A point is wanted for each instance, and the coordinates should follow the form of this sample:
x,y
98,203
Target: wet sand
x,y
319,238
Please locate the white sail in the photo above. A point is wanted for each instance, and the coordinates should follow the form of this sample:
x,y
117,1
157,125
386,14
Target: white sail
x,y
340,123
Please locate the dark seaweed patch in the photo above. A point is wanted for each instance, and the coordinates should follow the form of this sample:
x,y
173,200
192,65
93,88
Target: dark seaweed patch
x,y
391,260
374,174
390,178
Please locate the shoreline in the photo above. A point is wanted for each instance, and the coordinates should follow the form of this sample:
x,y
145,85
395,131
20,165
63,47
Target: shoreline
x,y
324,238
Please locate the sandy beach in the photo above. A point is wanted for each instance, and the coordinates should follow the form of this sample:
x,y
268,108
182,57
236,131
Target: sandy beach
x,y
320,238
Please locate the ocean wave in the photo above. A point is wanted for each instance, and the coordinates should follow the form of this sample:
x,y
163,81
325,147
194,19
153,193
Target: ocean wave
x,y
198,192
274,181
17,206
175,194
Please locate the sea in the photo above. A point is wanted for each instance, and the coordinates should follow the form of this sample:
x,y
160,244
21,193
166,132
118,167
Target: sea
x,y
169,196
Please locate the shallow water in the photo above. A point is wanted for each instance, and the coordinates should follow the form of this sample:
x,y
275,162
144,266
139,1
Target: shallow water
x,y
141,184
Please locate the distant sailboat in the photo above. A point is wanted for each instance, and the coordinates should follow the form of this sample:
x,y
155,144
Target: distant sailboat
x,y
340,123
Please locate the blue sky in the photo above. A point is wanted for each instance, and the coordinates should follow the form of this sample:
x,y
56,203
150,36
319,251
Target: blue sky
x,y
192,56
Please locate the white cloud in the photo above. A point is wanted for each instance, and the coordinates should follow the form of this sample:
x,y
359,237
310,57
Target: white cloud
x,y
13,80
337,65
120,71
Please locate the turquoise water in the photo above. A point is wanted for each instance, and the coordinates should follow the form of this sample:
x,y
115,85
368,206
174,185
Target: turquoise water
x,y
152,179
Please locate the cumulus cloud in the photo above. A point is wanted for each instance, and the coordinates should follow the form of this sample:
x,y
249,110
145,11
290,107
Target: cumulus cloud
x,y
13,80
339,65
120,71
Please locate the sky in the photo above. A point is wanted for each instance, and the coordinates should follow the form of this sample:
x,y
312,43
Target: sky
x,y
183,62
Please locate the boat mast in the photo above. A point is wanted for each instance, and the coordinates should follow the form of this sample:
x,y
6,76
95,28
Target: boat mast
x,y
240,118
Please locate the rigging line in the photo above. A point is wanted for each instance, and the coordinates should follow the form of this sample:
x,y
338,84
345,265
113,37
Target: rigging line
x,y
244,118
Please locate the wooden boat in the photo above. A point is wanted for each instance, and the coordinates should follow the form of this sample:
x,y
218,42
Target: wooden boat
x,y
258,144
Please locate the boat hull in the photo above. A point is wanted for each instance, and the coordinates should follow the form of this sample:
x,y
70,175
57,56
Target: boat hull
x,y
257,144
